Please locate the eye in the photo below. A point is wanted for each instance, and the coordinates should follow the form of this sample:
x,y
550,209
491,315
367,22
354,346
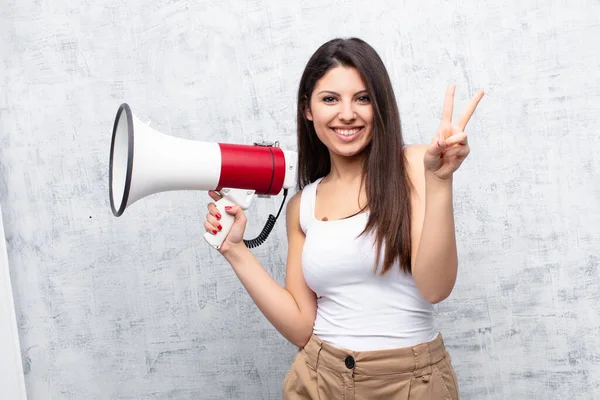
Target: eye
x,y
364,99
329,99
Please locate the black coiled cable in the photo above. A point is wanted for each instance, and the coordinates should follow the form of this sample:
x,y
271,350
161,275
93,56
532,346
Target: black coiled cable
x,y
260,239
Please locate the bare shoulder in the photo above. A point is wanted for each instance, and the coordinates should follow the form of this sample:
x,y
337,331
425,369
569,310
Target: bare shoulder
x,y
293,208
294,230
414,157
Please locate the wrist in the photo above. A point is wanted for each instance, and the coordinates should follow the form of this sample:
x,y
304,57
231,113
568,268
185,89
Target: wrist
x,y
431,179
437,189
235,252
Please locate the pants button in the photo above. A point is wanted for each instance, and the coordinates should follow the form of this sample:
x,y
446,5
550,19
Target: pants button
x,y
349,361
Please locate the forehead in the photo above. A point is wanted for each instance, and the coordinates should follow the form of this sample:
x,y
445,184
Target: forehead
x,y
341,79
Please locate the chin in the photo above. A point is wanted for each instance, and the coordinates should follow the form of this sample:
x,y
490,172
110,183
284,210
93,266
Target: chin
x,y
350,153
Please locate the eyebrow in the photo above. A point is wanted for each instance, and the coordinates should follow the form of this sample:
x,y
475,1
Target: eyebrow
x,y
332,92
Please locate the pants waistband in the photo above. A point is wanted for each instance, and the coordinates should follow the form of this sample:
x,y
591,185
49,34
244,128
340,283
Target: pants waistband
x,y
416,359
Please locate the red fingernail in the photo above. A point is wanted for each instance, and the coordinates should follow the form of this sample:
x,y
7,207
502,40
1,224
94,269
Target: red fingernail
x,y
228,207
215,231
220,227
218,216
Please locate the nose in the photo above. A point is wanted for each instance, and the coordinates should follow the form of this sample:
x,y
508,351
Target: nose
x,y
347,113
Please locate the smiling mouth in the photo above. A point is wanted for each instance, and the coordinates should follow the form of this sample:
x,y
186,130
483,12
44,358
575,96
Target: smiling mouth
x,y
347,131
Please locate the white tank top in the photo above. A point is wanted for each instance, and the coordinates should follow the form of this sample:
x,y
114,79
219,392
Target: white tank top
x,y
358,309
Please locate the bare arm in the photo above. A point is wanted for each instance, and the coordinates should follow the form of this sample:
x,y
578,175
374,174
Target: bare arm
x,y
290,309
434,260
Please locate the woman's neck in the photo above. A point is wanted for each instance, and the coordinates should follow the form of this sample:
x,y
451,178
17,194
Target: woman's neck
x,y
346,169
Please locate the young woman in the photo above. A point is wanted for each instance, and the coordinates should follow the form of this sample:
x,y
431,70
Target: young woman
x,y
371,242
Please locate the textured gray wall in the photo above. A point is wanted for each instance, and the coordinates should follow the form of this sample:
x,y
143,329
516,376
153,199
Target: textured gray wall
x,y
12,380
138,307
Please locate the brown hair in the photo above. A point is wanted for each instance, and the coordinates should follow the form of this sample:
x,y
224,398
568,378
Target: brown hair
x,y
388,199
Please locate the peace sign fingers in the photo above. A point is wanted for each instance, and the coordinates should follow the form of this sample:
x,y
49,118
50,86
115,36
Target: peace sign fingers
x,y
449,148
448,105
464,119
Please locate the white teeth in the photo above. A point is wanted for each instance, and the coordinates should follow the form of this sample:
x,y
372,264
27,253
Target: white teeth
x,y
347,132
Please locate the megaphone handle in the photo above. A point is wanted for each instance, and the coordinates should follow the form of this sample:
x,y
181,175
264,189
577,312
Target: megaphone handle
x,y
226,221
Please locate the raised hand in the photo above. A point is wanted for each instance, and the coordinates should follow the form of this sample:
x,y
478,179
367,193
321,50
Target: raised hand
x,y
450,147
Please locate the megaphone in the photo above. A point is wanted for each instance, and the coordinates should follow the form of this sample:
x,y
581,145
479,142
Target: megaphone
x,y
144,161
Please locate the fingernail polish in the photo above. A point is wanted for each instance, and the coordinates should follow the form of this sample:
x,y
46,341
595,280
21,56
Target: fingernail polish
x,y
218,216
215,231
228,207
220,227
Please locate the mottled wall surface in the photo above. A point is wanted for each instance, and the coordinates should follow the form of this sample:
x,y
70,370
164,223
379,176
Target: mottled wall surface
x,y
139,307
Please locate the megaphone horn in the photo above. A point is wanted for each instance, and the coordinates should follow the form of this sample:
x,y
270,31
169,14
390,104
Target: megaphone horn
x,y
144,161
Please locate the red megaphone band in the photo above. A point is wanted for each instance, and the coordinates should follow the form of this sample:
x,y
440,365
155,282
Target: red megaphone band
x,y
258,168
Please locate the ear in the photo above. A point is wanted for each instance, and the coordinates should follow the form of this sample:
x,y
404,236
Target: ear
x,y
308,113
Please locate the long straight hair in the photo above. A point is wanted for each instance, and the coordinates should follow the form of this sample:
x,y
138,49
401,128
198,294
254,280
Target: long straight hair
x,y
387,183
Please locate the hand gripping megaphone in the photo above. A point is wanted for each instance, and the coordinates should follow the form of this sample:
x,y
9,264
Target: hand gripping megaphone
x,y
144,161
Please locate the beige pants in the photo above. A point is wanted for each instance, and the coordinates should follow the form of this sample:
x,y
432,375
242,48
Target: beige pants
x,y
324,372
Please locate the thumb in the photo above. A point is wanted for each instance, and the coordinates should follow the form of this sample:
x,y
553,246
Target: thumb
x,y
236,211
438,145
232,209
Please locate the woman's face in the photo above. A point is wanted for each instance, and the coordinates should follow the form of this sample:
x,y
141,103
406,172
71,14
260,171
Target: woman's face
x,y
341,111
